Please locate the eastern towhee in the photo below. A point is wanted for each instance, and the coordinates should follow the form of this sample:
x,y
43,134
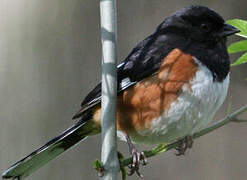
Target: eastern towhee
x,y
169,87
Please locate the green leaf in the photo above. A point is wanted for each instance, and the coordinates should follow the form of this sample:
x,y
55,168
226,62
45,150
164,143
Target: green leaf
x,y
122,168
124,173
238,47
241,60
241,25
98,165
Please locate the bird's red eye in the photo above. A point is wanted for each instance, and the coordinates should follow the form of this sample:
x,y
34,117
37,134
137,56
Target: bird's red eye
x,y
205,27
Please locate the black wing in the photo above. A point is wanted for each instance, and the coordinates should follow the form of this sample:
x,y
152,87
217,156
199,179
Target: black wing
x,y
143,61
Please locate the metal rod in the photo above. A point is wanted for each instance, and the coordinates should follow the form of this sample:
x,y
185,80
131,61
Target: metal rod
x,y
109,89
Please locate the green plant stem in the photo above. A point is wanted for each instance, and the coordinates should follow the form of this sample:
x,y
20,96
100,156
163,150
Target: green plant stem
x,y
165,147
236,120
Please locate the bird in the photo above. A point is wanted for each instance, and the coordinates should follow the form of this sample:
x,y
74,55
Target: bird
x,y
169,87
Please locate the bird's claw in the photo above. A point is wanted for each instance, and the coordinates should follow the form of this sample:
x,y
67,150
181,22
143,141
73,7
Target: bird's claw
x,y
138,158
183,145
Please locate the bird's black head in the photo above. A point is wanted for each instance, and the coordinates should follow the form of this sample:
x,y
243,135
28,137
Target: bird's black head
x,y
201,32
198,23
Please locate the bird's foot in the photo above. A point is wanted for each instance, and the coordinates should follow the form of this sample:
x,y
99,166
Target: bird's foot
x,y
183,145
138,158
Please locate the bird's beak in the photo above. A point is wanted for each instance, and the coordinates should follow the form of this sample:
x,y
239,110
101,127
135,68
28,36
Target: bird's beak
x,y
229,30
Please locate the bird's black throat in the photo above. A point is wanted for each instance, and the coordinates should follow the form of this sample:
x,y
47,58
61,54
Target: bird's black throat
x,y
214,56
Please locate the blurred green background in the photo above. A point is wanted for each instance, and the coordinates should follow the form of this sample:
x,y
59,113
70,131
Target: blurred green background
x,y
50,57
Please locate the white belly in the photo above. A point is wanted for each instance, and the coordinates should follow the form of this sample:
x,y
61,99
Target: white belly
x,y
192,111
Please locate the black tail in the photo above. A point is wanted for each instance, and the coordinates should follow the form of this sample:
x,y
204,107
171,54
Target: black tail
x,y
50,150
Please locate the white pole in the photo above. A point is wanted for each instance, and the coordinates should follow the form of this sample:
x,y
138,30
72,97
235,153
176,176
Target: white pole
x,y
109,88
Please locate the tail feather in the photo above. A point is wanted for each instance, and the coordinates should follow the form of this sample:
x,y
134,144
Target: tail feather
x,y
50,150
